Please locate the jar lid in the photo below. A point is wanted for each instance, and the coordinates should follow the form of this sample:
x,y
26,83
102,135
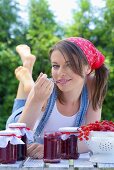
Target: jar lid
x,y
7,133
68,129
17,125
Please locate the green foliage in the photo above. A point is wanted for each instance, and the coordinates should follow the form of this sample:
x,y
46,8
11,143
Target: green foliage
x,y
41,33
8,85
97,25
82,20
9,34
10,23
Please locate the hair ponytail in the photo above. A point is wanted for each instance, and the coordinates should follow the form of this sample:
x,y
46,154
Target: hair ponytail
x,y
101,83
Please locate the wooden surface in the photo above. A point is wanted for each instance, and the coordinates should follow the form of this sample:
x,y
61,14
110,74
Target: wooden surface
x,y
82,163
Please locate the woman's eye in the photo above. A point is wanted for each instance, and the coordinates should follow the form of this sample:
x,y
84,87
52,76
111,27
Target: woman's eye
x,y
55,66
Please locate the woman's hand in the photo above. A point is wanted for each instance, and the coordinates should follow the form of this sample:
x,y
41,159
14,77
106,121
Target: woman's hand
x,y
37,97
43,88
35,150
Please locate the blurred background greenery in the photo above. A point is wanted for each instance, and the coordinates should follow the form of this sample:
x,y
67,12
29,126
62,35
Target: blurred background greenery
x,y
40,32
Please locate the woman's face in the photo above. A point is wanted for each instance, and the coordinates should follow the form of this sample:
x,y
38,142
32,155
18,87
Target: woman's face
x,y
62,74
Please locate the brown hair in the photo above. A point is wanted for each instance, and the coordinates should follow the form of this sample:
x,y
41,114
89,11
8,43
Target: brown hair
x,y
77,60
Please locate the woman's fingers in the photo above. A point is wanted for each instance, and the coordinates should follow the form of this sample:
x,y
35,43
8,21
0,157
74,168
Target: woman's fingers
x,y
43,88
50,86
41,79
43,83
39,152
40,75
35,150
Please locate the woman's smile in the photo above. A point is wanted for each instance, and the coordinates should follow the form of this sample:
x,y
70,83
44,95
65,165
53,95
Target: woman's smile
x,y
63,81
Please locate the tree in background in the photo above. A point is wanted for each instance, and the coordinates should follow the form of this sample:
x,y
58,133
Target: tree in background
x,y
107,39
82,19
97,25
43,32
10,34
40,34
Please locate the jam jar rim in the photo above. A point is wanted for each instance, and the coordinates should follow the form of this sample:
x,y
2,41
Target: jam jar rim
x,y
17,125
7,133
69,129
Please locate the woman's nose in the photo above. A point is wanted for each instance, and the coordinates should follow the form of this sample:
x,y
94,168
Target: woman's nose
x,y
62,71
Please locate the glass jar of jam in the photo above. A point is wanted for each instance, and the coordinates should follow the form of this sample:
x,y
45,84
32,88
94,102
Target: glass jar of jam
x,y
69,148
20,129
52,147
8,147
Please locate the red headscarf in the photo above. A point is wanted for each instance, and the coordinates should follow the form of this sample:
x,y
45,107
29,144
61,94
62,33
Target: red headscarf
x,y
95,57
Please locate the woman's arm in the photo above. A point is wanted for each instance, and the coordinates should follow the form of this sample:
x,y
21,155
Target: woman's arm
x,y
93,115
31,111
35,101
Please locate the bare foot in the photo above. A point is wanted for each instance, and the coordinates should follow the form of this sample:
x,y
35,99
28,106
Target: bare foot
x,y
24,76
27,58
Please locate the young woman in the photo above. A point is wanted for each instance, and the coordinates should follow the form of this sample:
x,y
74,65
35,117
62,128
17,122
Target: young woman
x,y
73,96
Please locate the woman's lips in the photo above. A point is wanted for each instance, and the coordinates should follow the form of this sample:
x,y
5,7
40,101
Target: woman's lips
x,y
63,81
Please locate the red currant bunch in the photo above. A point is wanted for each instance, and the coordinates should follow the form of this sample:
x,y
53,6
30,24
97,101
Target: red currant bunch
x,y
103,125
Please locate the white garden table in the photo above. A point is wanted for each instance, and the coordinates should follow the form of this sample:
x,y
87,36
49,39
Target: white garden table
x,y
82,163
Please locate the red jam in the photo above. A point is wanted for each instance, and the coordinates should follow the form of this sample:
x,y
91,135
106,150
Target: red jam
x,y
8,154
21,148
69,148
52,147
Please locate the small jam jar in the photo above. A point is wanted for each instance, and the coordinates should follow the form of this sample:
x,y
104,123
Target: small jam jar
x,y
52,147
69,148
8,147
20,129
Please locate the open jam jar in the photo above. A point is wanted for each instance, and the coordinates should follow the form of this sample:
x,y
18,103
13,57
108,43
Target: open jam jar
x,y
20,129
8,147
69,148
52,147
